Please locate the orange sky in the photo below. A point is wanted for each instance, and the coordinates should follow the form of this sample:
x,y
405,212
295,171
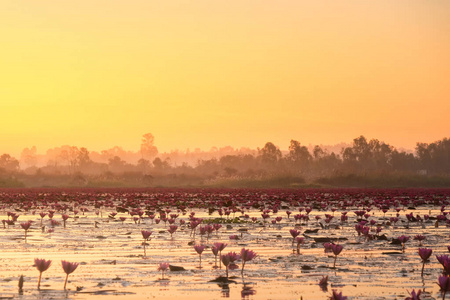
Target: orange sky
x,y
213,73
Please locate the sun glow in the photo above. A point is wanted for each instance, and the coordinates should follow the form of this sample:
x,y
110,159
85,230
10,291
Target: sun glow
x,y
199,74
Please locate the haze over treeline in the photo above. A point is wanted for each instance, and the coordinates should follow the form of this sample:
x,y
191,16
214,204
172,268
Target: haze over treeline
x,y
361,162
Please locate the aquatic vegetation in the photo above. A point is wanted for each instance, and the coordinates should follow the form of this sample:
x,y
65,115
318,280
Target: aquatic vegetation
x,y
163,268
238,214
403,239
337,296
215,251
323,283
42,215
220,247
299,241
444,284
146,235
228,261
69,268
294,233
65,217
414,295
246,255
327,247
419,238
42,265
20,284
424,254
444,260
172,229
199,249
336,249
25,226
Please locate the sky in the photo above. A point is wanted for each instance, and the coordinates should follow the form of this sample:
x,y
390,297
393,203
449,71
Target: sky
x,y
198,74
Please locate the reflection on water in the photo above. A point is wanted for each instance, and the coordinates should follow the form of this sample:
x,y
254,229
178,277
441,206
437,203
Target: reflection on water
x,y
164,284
225,290
45,294
247,291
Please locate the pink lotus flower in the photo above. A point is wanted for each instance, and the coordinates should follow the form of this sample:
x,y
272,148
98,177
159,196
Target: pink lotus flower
x,y
68,268
444,260
220,247
163,267
199,249
54,223
414,295
336,251
419,238
424,254
146,235
42,214
294,233
216,227
327,247
215,251
26,226
65,217
202,230
228,261
444,284
403,239
172,229
246,255
42,265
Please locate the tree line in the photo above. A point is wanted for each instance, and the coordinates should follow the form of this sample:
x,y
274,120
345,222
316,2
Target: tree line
x,y
361,158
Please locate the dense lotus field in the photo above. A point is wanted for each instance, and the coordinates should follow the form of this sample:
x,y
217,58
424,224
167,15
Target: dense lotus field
x,y
224,243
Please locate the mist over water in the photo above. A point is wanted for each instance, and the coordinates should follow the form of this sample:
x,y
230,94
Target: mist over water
x,y
362,163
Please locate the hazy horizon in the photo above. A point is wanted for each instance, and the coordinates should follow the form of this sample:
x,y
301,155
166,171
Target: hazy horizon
x,y
283,147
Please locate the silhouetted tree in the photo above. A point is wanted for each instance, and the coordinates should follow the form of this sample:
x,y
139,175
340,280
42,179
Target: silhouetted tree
x,y
299,153
208,167
318,152
298,157
366,156
403,162
9,163
116,164
143,165
381,155
28,157
270,154
161,165
83,159
434,157
148,150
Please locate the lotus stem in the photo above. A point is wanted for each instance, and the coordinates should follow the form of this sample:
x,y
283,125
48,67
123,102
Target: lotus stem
x,y
65,282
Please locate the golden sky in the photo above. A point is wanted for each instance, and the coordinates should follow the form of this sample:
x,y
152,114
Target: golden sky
x,y
202,73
